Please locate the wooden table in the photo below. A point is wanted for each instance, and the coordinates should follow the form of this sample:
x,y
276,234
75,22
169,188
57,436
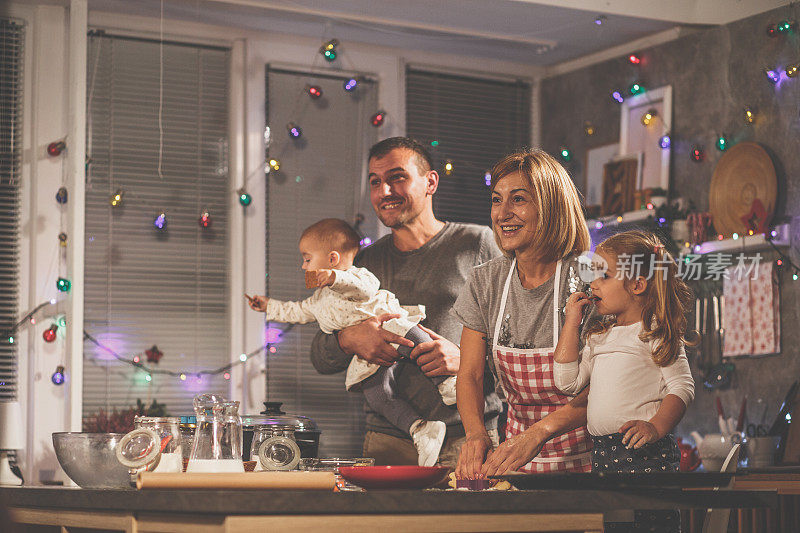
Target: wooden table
x,y
195,511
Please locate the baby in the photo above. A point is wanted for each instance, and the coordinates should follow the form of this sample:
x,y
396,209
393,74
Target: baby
x,y
346,296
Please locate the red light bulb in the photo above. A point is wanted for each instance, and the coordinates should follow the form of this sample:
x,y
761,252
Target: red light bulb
x,y
314,91
55,148
634,59
49,335
378,118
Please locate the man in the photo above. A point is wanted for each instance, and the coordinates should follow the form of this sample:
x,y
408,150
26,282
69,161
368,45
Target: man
x,y
423,261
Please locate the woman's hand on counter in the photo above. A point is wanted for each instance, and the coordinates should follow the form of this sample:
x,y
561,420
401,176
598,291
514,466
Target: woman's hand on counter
x,y
438,357
472,455
514,453
369,341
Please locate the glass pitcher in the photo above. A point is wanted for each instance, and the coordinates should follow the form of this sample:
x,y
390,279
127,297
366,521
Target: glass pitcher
x,y
218,436
154,445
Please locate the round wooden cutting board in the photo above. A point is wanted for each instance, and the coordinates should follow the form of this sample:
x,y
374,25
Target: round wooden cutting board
x,y
744,173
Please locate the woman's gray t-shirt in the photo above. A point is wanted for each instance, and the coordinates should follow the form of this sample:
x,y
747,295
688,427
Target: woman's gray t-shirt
x,y
528,315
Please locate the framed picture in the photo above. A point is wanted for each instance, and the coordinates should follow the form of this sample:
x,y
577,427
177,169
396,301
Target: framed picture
x,y
645,118
596,159
619,185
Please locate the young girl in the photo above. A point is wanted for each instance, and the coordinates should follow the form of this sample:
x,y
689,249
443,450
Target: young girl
x,y
640,378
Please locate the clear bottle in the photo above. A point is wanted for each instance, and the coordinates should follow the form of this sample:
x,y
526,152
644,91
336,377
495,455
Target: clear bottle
x,y
218,436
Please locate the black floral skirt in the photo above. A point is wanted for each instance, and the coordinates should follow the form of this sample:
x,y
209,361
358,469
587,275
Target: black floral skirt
x,y
610,455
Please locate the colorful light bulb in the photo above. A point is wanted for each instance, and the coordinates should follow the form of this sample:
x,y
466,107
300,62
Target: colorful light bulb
x,y
294,130
487,178
588,128
772,30
636,88
58,376
566,155
116,198
160,221
328,50
63,284
649,116
314,91
61,195
226,375
148,378
182,377
600,19
54,149
62,239
205,219
697,154
274,164
634,59
434,143
244,198
49,335
350,85
665,142
773,75
378,118
749,115
448,167
785,26
617,96
722,143
791,70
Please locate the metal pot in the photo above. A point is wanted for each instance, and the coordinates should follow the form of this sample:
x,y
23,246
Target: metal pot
x,y
306,433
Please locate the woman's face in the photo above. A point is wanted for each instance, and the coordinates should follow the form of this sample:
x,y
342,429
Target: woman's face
x,y
514,215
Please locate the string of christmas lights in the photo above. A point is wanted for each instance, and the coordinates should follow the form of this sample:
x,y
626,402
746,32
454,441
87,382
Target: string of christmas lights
x,y
58,376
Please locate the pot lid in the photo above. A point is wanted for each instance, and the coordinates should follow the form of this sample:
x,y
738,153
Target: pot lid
x,y
273,415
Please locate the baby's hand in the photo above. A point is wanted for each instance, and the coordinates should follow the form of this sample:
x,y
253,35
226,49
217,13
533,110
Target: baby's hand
x,y
257,303
320,278
637,433
576,304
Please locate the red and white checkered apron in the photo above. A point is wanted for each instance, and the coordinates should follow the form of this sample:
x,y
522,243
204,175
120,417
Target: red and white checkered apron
x,y
526,377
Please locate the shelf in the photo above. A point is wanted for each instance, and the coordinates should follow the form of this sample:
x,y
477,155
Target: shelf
x,y
612,220
745,243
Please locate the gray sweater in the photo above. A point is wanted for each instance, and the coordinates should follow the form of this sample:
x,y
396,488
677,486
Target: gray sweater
x,y
433,276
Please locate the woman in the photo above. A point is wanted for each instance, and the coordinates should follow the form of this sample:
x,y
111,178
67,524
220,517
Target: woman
x,y
511,312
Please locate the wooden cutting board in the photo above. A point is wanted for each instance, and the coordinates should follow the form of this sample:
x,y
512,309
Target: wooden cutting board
x,y
744,173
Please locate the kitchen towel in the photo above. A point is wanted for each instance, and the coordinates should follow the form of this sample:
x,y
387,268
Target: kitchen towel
x,y
751,313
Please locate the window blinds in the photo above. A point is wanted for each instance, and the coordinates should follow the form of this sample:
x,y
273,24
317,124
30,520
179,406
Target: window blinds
x,y
475,122
144,287
12,40
319,177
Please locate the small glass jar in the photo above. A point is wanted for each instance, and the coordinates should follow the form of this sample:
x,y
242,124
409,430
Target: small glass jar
x,y
274,447
154,445
218,436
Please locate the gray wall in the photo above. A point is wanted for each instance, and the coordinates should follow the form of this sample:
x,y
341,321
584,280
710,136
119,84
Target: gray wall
x,y
714,73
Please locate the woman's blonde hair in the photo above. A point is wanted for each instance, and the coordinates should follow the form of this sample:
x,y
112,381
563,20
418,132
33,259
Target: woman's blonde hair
x,y
667,298
561,230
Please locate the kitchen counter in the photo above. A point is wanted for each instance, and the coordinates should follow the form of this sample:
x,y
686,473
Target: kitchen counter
x,y
408,510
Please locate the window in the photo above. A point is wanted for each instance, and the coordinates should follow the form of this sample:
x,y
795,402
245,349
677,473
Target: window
x,y
12,40
320,176
144,287
472,123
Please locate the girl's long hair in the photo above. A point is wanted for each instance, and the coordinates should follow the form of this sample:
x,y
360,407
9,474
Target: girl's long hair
x,y
667,298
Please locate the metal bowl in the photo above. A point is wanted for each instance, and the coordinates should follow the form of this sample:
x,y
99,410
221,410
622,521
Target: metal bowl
x,y
89,459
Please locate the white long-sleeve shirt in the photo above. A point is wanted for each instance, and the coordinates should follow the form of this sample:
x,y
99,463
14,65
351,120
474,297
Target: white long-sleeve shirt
x,y
625,382
354,297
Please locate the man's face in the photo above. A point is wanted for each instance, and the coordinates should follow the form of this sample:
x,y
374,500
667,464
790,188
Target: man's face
x,y
398,190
